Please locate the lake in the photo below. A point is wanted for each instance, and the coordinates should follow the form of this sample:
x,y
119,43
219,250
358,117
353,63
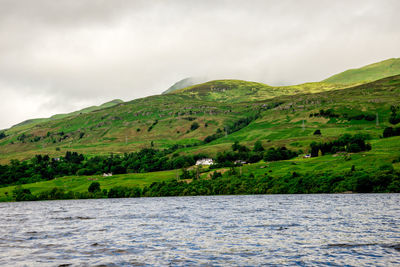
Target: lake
x,y
302,230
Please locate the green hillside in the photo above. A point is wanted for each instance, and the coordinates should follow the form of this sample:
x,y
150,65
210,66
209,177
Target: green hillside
x,y
234,91
206,119
166,120
61,116
383,151
367,73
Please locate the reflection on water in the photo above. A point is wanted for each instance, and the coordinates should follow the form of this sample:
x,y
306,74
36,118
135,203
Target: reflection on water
x,y
353,230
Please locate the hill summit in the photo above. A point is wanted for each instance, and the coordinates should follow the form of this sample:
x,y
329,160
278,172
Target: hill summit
x,y
184,83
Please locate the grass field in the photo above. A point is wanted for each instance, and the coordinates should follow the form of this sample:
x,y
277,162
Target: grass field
x,y
81,183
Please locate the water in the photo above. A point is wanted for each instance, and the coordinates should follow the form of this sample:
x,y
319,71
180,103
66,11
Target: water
x,y
302,230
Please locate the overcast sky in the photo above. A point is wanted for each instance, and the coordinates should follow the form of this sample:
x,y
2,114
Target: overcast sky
x,y
60,56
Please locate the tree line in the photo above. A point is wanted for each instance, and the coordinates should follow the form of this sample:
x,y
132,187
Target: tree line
x,y
345,143
384,180
42,167
330,113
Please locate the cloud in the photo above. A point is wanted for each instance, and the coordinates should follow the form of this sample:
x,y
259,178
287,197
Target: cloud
x,y
57,56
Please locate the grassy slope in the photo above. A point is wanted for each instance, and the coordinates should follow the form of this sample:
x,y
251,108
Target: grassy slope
x,y
31,122
383,151
236,91
367,73
123,128
115,129
283,125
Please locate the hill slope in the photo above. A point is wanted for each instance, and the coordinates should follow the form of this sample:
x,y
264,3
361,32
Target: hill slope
x,y
223,109
235,91
367,73
60,116
166,120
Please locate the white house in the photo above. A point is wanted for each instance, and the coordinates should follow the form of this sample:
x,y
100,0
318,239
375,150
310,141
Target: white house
x,y
204,162
107,174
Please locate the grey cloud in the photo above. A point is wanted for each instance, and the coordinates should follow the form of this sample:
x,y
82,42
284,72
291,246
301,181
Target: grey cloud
x,y
68,54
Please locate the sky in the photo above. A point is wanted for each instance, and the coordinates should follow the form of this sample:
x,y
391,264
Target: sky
x,y
61,56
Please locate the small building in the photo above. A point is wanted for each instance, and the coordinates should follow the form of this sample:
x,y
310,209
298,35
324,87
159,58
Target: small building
x,y
107,174
240,162
207,162
307,156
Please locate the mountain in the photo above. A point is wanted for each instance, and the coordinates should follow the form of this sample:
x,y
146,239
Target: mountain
x,y
367,73
208,120
227,106
184,83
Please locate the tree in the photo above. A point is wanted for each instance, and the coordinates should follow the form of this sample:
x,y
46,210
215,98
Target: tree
x,y
186,174
388,132
354,148
394,117
216,175
194,126
235,146
258,147
314,149
317,132
22,194
94,187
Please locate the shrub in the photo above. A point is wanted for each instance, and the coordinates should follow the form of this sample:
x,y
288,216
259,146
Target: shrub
x,y
194,126
94,187
258,147
389,132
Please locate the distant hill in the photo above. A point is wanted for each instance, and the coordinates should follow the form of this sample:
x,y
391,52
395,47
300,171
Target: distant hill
x,y
184,83
60,116
367,73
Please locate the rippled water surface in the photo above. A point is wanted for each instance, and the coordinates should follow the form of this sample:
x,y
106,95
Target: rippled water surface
x,y
303,230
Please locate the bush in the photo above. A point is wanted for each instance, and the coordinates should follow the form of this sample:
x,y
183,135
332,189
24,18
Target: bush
x,y
194,126
389,132
370,117
394,117
258,147
94,187
22,194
